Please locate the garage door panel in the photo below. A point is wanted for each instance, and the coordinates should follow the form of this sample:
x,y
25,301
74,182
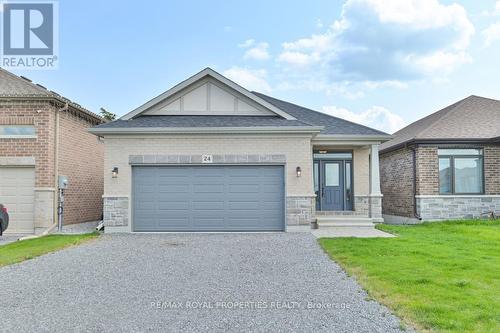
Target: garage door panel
x,y
209,198
17,192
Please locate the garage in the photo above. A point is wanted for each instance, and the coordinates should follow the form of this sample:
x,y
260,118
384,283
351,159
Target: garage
x,y
208,198
17,193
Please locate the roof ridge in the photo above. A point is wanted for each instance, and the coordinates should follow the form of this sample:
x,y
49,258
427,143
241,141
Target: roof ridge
x,y
322,113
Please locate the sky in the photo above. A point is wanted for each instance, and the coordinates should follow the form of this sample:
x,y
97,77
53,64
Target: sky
x,y
381,63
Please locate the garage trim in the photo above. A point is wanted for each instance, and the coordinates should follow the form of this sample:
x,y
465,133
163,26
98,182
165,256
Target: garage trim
x,y
131,207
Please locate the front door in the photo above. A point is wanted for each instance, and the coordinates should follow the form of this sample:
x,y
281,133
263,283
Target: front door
x,y
332,192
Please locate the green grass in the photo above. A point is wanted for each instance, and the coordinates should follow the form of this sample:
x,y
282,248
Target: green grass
x,y
439,277
27,249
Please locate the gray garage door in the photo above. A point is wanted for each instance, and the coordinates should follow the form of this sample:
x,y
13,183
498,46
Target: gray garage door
x,y
208,198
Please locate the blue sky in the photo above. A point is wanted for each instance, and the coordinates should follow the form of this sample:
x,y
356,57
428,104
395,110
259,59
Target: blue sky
x,y
383,63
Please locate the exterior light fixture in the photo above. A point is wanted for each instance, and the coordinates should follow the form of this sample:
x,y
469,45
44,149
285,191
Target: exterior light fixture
x,y
114,172
323,151
298,171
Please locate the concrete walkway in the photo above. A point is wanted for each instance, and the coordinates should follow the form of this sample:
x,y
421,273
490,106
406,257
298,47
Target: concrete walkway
x,y
358,232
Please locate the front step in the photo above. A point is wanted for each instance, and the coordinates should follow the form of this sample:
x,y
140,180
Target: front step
x,y
343,221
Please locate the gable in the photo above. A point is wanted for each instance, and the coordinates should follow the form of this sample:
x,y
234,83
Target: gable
x,y
208,93
208,97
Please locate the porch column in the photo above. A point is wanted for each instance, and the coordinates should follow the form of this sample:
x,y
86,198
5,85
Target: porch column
x,y
374,172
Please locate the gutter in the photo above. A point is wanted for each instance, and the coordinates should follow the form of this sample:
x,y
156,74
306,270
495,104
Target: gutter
x,y
353,137
207,130
439,141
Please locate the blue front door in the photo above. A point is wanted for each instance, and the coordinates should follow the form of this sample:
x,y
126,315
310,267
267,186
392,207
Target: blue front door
x,y
332,191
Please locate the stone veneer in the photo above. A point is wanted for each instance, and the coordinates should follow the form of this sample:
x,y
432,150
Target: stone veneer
x,y
456,207
115,211
300,210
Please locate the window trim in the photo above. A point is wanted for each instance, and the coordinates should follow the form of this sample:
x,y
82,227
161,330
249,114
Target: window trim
x,y
451,158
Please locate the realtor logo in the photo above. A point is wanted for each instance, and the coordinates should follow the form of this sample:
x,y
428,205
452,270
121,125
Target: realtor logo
x,y
29,34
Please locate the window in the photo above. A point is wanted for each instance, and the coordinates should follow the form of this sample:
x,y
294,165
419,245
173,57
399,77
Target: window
x,y
17,130
460,171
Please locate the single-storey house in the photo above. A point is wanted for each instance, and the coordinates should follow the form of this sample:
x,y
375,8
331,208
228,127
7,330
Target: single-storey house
x,y
44,135
444,166
209,155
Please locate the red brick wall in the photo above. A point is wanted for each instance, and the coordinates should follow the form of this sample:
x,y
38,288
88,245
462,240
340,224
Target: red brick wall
x,y
42,115
81,159
396,180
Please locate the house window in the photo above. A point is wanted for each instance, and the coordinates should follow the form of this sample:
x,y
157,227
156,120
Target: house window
x,y
461,171
17,131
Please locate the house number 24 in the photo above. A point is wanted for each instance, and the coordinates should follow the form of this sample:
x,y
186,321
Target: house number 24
x,y
207,159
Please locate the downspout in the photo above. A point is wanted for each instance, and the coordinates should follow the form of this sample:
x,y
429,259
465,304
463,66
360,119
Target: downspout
x,y
56,163
415,212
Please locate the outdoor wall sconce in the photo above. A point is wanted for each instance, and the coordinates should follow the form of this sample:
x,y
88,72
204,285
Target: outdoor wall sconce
x,y
298,171
114,172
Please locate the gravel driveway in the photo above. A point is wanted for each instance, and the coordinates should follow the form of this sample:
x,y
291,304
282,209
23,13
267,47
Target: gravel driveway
x,y
200,282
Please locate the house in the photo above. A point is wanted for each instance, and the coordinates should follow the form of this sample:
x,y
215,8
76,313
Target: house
x,y
444,166
44,135
209,155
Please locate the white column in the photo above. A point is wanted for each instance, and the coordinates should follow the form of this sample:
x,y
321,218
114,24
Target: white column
x,y
374,172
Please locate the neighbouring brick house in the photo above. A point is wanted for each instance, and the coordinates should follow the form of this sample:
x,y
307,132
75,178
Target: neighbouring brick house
x,y
44,135
444,166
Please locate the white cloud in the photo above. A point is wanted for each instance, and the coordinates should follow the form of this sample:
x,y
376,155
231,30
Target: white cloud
x,y
386,40
247,43
255,51
494,12
492,33
251,79
319,23
376,117
259,52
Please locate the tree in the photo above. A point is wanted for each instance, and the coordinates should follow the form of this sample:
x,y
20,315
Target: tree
x,y
109,116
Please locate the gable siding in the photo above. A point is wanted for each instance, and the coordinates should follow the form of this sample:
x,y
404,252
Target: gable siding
x,y
396,180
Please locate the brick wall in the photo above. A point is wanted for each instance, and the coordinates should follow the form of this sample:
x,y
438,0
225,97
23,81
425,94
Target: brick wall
x,y
396,180
492,169
81,159
41,114
427,171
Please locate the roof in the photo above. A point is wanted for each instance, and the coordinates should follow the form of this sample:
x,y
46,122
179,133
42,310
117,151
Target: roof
x,y
19,87
472,118
287,116
332,125
202,121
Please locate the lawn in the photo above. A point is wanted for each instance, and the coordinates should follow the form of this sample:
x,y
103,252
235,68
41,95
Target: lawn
x,y
438,277
23,250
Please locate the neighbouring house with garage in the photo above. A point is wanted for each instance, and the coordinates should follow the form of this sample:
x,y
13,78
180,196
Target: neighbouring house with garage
x,y
444,166
209,155
44,135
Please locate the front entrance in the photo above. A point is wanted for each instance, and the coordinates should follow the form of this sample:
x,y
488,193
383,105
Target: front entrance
x,y
333,181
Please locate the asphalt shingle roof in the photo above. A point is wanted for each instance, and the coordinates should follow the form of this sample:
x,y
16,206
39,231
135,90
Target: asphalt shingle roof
x,y
472,118
13,86
304,117
203,121
333,125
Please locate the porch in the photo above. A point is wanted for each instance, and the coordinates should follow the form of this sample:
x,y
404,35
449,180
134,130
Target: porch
x,y
347,184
